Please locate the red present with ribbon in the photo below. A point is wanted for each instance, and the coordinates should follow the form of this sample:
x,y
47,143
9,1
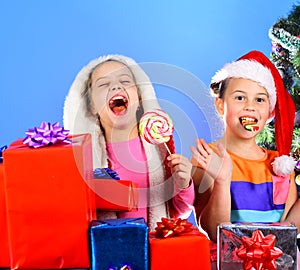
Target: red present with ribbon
x,y
177,244
115,195
49,204
257,246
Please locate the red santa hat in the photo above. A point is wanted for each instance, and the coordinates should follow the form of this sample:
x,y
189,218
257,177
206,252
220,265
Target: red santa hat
x,y
257,67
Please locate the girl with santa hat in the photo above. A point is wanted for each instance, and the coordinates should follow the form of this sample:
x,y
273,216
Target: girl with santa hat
x,y
235,179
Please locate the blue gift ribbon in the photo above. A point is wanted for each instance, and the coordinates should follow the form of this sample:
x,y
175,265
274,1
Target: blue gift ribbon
x,y
105,173
119,221
1,152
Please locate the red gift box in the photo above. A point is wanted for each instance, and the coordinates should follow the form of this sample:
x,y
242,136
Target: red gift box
x,y
49,204
115,195
4,251
188,250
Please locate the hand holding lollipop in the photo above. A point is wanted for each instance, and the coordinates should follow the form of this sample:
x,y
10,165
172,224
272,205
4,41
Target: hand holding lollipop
x,y
156,127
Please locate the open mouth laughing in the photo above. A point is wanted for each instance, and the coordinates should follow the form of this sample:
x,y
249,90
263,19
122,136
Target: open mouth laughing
x,y
118,104
249,123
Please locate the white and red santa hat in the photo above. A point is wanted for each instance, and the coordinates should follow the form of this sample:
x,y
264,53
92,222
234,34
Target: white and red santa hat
x,y
257,67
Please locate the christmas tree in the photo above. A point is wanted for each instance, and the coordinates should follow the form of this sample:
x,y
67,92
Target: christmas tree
x,y
285,55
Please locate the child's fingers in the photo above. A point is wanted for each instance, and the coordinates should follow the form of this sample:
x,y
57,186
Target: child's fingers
x,y
203,148
206,146
198,157
177,158
179,163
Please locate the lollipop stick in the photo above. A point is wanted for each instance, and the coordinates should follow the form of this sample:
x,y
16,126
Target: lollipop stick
x,y
167,148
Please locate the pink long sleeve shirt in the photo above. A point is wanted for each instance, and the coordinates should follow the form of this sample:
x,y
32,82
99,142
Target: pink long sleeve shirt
x,y
129,161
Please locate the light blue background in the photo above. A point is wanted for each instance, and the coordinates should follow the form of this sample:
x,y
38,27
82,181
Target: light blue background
x,y
45,43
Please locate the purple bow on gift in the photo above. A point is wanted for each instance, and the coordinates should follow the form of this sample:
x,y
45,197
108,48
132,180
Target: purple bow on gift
x,y
46,134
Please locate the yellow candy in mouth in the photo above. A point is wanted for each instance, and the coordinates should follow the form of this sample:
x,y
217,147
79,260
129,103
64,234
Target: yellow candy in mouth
x,y
249,124
251,127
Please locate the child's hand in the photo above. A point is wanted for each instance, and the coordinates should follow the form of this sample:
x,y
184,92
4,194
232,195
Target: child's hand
x,y
218,166
181,169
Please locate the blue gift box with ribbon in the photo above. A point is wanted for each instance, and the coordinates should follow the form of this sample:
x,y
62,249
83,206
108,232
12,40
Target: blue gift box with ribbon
x,y
119,244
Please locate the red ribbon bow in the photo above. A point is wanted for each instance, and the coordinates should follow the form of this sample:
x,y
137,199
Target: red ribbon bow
x,y
171,226
259,252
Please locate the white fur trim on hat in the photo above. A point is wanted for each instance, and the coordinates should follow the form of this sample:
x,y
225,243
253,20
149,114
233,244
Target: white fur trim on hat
x,y
76,120
251,70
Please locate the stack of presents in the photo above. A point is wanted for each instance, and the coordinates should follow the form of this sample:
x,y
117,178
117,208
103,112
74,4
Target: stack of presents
x,y
48,202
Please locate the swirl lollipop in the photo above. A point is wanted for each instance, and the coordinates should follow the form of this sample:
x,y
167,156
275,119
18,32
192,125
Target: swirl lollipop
x,y
156,127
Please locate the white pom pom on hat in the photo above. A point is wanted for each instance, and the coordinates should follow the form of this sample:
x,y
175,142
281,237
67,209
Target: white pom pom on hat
x,y
257,67
283,165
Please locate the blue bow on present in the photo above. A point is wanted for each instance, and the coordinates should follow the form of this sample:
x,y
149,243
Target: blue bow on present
x,y
1,152
105,173
119,222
